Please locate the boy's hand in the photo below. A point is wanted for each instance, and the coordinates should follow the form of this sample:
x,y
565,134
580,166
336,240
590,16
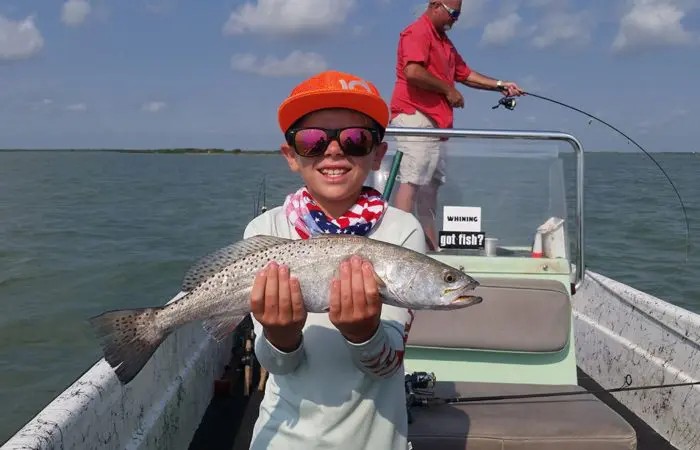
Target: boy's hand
x,y
355,306
276,303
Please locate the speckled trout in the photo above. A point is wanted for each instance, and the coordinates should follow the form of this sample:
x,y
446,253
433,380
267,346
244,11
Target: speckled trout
x,y
216,290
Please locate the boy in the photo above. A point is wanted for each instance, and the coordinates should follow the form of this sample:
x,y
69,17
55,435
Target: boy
x,y
336,379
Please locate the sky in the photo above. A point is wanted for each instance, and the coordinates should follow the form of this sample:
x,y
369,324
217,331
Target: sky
x,y
179,73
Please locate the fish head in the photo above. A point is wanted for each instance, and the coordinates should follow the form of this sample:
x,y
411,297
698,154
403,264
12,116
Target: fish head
x,y
430,284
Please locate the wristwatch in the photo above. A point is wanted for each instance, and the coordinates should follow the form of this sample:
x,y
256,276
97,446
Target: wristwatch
x,y
499,84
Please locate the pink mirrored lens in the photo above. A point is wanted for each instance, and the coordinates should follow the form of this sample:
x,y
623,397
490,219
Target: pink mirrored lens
x,y
356,137
310,141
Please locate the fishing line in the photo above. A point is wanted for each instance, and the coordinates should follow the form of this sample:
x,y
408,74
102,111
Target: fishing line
x,y
430,401
262,192
509,103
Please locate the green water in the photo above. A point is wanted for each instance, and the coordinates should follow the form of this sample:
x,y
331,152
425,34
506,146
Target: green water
x,y
84,232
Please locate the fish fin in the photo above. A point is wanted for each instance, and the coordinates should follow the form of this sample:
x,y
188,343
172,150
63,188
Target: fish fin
x,y
128,337
214,262
384,292
380,282
221,325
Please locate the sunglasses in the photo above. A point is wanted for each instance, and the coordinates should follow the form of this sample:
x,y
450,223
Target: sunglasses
x,y
454,13
354,141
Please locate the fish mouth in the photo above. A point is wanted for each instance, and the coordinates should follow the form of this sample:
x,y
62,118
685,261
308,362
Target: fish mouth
x,y
463,297
466,300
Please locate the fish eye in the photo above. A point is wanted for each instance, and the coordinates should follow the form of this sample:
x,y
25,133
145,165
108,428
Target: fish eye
x,y
449,277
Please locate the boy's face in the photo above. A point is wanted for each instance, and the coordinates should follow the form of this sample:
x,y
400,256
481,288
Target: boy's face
x,y
335,176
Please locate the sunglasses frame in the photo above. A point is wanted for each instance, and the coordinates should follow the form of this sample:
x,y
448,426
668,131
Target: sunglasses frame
x,y
454,13
333,134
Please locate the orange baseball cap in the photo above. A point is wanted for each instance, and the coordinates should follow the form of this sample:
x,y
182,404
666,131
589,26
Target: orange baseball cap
x,y
333,89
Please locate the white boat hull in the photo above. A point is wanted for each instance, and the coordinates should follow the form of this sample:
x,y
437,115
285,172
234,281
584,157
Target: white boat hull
x,y
161,408
619,331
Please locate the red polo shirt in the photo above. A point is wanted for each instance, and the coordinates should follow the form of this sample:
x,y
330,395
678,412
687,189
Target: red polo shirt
x,y
420,42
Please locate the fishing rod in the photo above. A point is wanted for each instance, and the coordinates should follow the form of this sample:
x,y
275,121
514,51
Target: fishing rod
x,y
429,401
263,208
417,381
509,103
262,192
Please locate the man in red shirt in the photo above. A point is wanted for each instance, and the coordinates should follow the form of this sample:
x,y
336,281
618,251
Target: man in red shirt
x,y
424,96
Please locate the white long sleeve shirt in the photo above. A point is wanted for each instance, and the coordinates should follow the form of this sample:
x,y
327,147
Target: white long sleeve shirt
x,y
330,393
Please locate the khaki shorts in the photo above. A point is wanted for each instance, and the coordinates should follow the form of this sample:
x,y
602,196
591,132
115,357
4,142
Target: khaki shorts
x,y
423,157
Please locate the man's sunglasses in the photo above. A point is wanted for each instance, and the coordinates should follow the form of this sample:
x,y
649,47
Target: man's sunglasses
x,y
354,141
454,13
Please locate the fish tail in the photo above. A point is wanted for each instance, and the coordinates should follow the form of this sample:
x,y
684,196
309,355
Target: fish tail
x,y
129,337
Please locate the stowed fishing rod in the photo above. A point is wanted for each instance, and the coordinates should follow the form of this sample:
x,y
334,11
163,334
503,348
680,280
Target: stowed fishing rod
x,y
509,103
420,384
258,206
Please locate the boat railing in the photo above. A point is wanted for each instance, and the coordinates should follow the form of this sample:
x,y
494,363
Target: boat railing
x,y
511,135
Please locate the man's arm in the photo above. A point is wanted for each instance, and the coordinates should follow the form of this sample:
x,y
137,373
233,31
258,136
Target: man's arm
x,y
418,76
479,81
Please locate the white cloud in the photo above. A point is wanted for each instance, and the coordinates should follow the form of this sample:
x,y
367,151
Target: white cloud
x,y
160,6
554,25
563,28
77,107
43,105
501,30
153,106
653,23
19,39
74,12
473,12
532,83
296,63
289,17
559,5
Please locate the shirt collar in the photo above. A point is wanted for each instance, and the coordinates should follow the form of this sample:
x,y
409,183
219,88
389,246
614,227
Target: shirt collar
x,y
431,27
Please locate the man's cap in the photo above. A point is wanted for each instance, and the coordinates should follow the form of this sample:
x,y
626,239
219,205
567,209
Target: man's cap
x,y
333,89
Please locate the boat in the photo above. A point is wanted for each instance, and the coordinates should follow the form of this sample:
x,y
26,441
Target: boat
x,y
532,366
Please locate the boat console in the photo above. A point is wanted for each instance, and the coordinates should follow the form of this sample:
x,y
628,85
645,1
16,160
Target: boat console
x,y
502,216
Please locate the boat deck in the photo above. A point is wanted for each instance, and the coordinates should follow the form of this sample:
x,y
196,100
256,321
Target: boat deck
x,y
228,422
647,438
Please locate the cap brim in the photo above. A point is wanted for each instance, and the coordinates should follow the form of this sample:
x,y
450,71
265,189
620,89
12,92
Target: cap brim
x,y
294,108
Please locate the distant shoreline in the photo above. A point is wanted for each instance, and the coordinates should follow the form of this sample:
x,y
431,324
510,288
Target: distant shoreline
x,y
175,151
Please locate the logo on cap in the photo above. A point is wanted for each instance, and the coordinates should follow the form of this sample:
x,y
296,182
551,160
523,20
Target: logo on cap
x,y
354,83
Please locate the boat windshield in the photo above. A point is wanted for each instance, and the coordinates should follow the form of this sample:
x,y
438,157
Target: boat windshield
x,y
495,196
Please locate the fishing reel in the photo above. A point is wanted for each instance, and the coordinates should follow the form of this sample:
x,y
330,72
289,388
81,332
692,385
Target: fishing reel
x,y
507,102
419,381
418,385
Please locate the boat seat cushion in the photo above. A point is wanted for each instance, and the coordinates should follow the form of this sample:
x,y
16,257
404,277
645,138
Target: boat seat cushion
x,y
519,315
563,423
